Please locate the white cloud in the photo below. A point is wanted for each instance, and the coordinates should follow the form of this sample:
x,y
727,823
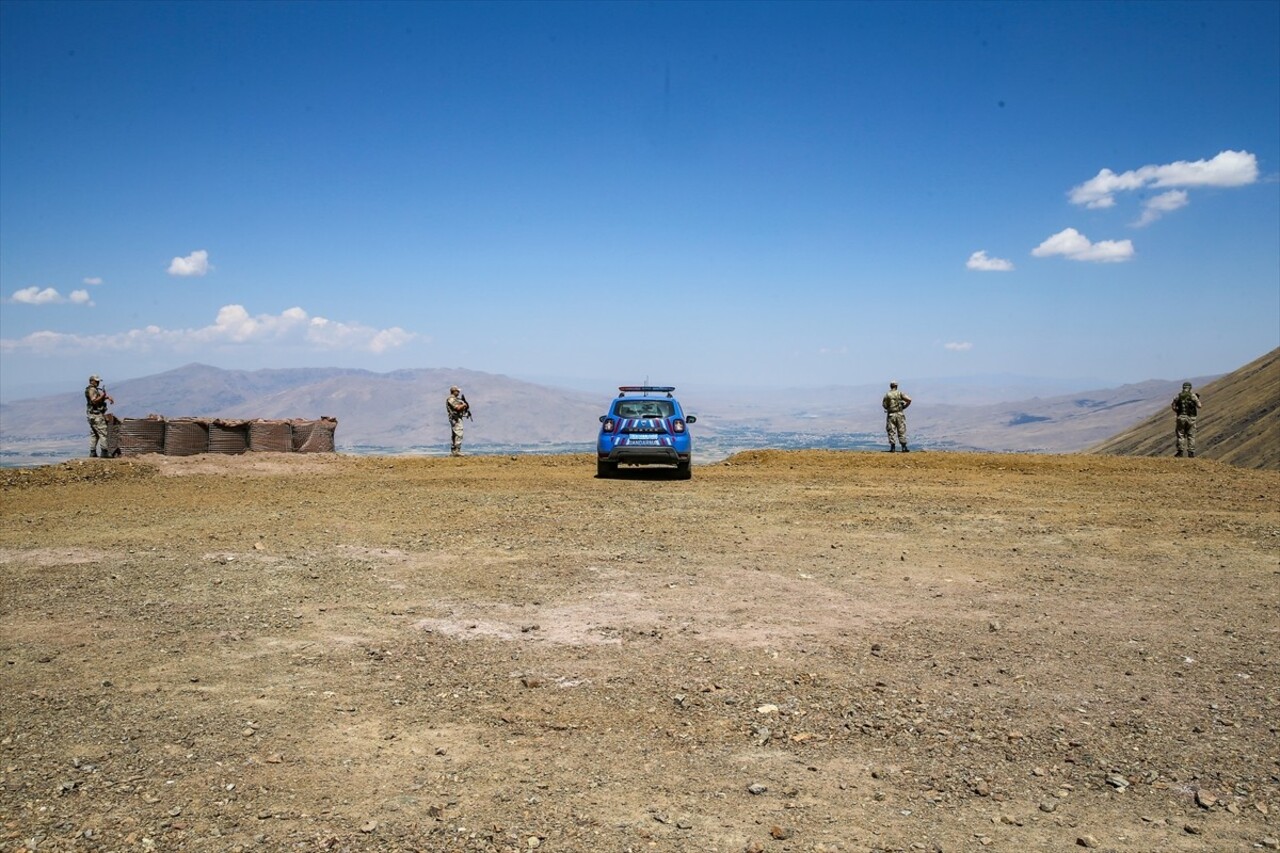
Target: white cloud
x,y
36,296
194,264
958,346
92,280
1073,245
1227,169
1160,205
48,296
980,261
233,326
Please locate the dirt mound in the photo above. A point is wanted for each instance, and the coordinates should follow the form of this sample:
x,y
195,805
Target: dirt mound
x,y
805,651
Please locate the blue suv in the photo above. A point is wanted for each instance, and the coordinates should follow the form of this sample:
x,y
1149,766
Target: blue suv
x,y
645,426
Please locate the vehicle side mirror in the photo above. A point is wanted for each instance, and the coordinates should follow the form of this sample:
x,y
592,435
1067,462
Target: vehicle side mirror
x,y
602,417
691,419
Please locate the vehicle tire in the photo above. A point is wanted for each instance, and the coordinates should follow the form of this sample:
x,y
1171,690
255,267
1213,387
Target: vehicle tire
x,y
606,469
684,470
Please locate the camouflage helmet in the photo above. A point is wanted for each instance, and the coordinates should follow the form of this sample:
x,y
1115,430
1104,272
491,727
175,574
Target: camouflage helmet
x,y
95,378
1186,386
893,384
454,388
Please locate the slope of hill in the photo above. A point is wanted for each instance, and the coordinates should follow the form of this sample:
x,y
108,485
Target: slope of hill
x,y
1240,423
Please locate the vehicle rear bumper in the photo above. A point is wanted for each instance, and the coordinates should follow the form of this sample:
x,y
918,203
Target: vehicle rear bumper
x,y
645,456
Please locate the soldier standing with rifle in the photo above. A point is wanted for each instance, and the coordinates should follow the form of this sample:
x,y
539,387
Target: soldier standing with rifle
x,y
1186,406
457,407
96,399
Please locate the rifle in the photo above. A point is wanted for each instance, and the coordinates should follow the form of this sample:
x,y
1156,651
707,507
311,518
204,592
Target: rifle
x,y
463,398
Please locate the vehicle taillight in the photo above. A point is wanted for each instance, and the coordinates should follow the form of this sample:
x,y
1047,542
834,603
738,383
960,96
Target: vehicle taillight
x,y
677,425
609,425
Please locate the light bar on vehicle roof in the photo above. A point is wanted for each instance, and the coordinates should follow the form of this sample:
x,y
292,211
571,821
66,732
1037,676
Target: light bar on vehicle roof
x,y
645,389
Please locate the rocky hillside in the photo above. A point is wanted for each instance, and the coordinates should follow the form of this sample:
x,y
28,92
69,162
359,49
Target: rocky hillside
x,y
1240,423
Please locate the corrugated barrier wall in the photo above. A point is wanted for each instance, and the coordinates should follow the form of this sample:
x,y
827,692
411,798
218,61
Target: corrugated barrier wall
x,y
189,436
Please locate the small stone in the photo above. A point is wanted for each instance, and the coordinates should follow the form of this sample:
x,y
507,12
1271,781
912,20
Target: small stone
x,y
1117,781
1192,829
1087,841
1205,800
756,789
369,826
1048,807
781,833
1270,843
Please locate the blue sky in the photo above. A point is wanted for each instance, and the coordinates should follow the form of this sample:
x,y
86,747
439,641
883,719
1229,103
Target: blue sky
x,y
781,194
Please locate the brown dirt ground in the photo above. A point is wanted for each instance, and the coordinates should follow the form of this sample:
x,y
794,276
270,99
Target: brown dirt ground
x,y
800,651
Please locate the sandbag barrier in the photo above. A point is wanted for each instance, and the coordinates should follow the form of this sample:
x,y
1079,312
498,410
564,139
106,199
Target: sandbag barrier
x,y
314,436
271,436
191,436
228,436
141,435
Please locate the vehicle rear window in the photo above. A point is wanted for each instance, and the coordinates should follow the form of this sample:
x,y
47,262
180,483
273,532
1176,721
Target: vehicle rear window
x,y
645,409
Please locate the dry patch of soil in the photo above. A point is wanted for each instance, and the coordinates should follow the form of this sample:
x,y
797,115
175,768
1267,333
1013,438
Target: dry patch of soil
x,y
796,651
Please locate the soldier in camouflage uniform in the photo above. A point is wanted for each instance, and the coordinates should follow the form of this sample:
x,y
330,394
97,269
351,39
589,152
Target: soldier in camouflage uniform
x,y
895,405
457,407
96,399
1186,406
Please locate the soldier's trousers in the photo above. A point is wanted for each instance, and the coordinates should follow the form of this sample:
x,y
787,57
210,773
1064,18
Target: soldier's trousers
x,y
455,435
97,433
1185,435
896,426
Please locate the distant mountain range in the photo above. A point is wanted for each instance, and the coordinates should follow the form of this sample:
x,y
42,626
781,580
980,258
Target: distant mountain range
x,y
403,412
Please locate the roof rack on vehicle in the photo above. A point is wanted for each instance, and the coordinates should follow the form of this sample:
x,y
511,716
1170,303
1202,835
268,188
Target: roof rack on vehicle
x,y
645,389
